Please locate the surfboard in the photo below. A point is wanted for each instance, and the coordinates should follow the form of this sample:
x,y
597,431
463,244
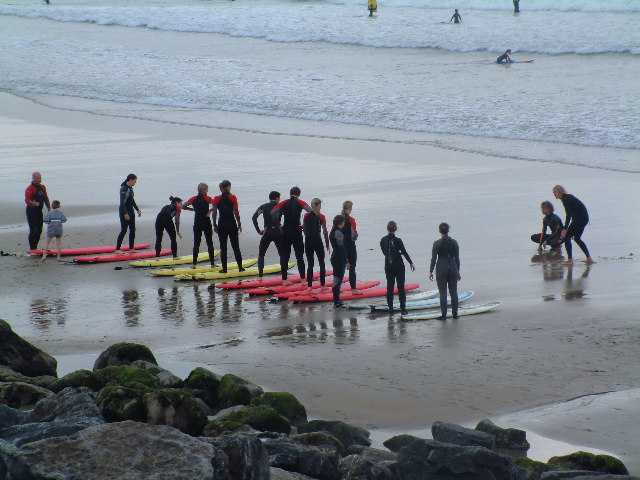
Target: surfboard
x,y
74,252
168,262
411,297
424,304
264,282
121,257
172,272
290,287
462,311
249,272
348,296
327,290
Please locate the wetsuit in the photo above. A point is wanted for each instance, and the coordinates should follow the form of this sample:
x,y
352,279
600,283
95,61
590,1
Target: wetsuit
x,y
552,223
272,232
504,58
164,221
350,236
445,258
227,227
457,18
35,193
516,6
576,220
313,244
338,261
127,207
291,210
202,225
393,250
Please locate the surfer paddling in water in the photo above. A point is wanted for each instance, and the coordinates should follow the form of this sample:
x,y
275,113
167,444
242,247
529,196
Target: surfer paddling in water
x,y
577,218
505,57
456,18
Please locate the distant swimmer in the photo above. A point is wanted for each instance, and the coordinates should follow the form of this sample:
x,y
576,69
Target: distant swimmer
x,y
372,5
505,57
516,6
552,223
577,218
456,18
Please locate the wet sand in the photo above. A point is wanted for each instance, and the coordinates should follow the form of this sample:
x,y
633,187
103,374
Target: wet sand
x,y
560,333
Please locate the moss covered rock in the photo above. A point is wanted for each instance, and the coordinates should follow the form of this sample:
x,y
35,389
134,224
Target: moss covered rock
x,y
398,442
260,417
79,378
9,375
532,469
206,384
349,435
166,379
20,356
589,461
321,440
124,354
21,395
117,403
234,390
127,376
285,404
177,408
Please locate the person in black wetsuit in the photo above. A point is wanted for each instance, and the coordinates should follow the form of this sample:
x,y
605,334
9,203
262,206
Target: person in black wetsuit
x,y
315,229
228,224
125,211
165,221
553,224
270,232
445,259
393,250
350,231
456,17
516,6
505,57
338,257
291,209
35,199
577,218
201,222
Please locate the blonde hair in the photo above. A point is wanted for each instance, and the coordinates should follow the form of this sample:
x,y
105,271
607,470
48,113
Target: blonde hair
x,y
347,205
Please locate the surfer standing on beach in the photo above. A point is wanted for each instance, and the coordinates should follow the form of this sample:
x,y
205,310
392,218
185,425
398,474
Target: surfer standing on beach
x,y
350,231
201,222
338,257
315,228
227,225
126,211
291,209
577,218
35,199
445,259
516,6
271,228
456,18
393,250
165,222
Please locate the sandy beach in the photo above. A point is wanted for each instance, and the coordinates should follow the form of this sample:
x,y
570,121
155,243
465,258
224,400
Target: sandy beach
x,y
560,333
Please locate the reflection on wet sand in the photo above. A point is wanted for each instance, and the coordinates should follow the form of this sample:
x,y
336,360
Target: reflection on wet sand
x,y
45,311
318,331
171,305
131,307
552,268
205,299
574,289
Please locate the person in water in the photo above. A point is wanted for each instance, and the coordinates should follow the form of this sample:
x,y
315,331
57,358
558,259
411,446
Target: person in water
x,y
516,6
169,220
54,220
201,222
315,229
291,209
270,231
577,218
553,224
393,250
226,223
126,211
456,17
350,231
505,57
35,199
338,257
445,259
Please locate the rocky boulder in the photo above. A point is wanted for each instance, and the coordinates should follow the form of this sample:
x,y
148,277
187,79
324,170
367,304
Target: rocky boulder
x,y
588,461
370,464
123,451
118,403
176,408
262,418
11,416
506,439
583,475
79,378
124,354
294,457
205,385
21,395
234,390
20,356
452,433
530,469
280,474
349,435
285,404
166,379
9,375
395,444
247,457
321,440
127,376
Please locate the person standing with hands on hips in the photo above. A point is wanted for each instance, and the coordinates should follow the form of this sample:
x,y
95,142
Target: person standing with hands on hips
x,y
125,211
445,259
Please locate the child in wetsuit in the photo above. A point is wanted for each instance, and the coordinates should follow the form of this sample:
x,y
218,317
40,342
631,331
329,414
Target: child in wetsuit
x,y
338,257
54,220
553,223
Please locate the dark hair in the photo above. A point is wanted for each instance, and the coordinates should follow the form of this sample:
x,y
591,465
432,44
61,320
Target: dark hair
x,y
295,191
338,220
55,204
131,176
225,184
392,226
273,195
547,205
175,200
444,228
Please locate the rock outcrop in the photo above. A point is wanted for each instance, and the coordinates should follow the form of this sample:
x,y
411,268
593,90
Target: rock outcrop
x,y
22,357
349,435
124,354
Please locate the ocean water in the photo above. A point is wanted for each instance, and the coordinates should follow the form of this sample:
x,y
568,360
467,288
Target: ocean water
x,y
406,69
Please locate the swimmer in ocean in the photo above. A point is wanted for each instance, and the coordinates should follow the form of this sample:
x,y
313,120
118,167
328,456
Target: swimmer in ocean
x,y
505,57
456,18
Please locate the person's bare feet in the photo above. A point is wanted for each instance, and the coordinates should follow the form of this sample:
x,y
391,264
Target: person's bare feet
x,y
589,261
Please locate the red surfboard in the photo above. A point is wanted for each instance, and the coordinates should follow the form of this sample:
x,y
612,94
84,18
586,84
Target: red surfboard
x,y
265,282
326,290
296,287
348,295
121,257
72,252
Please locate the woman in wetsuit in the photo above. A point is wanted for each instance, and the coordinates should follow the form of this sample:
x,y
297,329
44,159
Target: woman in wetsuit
x,y
315,229
393,250
126,211
201,222
169,220
577,218
445,259
226,223
338,257
350,231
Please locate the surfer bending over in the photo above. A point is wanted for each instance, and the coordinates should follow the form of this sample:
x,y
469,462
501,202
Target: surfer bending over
x,y
338,257
576,221
393,250
445,259
505,57
291,210
165,221
456,18
201,222
315,229
226,223
553,223
270,231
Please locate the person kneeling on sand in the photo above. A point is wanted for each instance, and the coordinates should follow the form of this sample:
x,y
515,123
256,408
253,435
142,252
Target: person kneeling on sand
x,y
54,220
553,223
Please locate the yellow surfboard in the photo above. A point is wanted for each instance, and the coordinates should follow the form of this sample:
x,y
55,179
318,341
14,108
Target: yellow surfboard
x,y
172,272
372,5
170,262
249,272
